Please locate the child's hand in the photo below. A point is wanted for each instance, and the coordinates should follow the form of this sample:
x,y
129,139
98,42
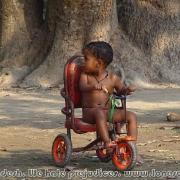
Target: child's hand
x,y
97,87
131,89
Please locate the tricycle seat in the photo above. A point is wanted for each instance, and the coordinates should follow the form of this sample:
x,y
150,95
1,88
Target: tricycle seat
x,y
82,126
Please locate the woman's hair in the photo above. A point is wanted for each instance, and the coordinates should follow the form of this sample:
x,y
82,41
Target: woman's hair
x,y
101,50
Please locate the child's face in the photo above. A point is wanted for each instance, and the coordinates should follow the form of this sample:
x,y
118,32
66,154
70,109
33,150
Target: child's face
x,y
90,61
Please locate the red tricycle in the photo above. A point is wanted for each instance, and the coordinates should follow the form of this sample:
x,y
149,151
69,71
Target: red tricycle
x,y
124,154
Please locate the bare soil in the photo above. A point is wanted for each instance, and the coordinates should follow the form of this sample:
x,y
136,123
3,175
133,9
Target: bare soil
x,y
31,118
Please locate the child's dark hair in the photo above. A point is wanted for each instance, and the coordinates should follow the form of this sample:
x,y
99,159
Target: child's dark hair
x,y
101,50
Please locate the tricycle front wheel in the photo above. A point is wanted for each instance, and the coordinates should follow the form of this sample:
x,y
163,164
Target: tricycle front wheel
x,y
124,156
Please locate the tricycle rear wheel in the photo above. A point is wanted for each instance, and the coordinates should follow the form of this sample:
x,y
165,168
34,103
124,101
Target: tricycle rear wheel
x,y
61,150
103,155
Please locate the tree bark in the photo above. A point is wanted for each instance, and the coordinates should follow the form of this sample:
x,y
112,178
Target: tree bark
x,y
145,40
21,36
153,26
74,24
20,22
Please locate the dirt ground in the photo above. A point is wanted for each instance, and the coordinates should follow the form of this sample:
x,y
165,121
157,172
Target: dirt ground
x,y
31,118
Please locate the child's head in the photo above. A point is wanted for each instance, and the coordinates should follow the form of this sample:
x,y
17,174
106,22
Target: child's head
x,y
101,50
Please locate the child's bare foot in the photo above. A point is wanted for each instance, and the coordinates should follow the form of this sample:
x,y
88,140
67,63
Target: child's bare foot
x,y
139,159
109,145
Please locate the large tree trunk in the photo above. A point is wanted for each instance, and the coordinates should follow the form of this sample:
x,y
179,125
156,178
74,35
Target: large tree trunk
x,y
153,26
69,26
75,23
20,23
20,38
145,42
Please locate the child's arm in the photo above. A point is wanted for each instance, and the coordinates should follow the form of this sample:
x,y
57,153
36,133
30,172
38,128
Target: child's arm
x,y
130,90
83,83
122,89
84,86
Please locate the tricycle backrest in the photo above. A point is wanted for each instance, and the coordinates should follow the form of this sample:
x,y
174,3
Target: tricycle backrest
x,y
72,71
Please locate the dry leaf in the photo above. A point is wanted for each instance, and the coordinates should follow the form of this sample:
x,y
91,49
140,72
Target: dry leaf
x,y
170,140
161,150
141,144
3,149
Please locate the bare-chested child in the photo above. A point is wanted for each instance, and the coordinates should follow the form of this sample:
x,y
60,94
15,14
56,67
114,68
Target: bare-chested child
x,y
97,56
